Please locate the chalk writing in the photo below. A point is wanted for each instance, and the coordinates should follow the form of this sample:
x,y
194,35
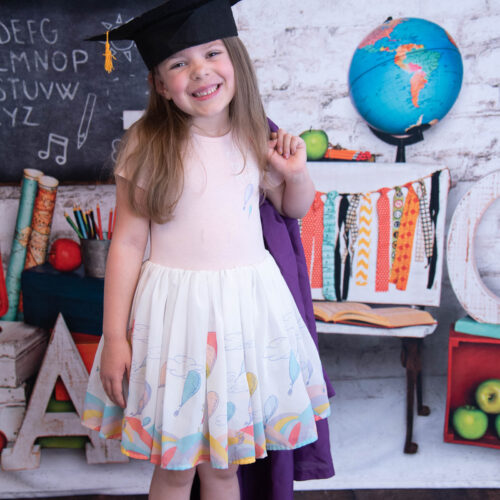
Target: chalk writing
x,y
58,108
25,113
57,140
83,129
115,148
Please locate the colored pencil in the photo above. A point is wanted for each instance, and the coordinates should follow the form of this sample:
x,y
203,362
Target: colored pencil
x,y
75,215
110,226
94,225
79,218
72,224
93,232
114,220
99,222
85,221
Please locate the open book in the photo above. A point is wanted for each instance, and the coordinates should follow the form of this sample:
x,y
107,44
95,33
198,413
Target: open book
x,y
355,313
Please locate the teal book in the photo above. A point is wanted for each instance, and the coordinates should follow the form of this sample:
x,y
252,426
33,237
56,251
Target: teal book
x,y
473,327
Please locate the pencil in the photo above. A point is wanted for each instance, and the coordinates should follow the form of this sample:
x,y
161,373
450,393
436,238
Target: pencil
x,y
75,215
81,224
99,222
85,221
94,226
91,227
72,224
110,222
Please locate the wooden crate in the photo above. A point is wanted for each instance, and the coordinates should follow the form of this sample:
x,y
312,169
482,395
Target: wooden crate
x,y
471,360
21,352
12,410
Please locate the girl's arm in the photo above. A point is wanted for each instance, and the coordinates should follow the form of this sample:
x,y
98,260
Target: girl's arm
x,y
122,271
287,160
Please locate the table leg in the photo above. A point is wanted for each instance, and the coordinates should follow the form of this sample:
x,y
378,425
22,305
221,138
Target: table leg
x,y
411,359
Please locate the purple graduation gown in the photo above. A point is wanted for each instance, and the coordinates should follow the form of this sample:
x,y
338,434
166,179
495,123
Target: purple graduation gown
x,y
272,478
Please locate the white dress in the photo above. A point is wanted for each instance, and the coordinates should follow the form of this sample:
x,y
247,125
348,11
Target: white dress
x,y
223,367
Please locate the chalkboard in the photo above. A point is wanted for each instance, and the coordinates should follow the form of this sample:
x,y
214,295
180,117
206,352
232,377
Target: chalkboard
x,y
60,112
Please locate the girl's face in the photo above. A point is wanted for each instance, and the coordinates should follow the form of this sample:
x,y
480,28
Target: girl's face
x,y
200,80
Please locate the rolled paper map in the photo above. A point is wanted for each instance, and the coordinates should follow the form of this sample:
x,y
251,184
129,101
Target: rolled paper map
x,y
41,223
29,189
43,212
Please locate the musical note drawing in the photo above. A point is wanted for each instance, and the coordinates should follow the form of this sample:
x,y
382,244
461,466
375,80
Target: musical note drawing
x,y
88,112
58,140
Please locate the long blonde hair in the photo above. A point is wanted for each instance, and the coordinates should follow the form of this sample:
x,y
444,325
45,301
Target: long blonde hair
x,y
152,149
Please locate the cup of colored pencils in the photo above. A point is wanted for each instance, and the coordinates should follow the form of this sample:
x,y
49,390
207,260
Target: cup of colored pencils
x,y
93,240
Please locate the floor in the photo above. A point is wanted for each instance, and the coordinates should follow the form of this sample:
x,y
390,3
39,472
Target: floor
x,y
367,435
460,494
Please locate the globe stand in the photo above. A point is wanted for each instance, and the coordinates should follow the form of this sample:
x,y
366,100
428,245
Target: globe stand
x,y
401,141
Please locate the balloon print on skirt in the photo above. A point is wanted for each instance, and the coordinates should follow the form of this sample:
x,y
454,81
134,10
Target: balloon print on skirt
x,y
212,402
211,351
191,387
146,396
294,370
270,407
252,382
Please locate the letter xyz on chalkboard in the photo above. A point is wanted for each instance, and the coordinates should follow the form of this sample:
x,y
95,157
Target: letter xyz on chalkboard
x,y
60,112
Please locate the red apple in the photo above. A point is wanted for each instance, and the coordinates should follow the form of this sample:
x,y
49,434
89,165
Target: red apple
x,y
65,254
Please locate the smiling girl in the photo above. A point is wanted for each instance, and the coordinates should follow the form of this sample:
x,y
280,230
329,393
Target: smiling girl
x,y
205,362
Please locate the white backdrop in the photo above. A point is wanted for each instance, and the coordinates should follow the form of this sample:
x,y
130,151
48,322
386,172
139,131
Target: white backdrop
x,y
302,51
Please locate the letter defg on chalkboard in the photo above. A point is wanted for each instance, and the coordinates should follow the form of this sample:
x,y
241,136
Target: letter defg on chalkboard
x,y
60,112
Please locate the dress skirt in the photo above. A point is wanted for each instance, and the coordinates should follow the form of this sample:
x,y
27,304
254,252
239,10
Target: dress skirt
x,y
223,369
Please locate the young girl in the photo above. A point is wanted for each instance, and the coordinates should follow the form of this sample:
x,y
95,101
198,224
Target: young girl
x,y
205,362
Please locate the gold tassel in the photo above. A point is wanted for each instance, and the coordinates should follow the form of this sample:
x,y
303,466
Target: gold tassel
x,y
108,56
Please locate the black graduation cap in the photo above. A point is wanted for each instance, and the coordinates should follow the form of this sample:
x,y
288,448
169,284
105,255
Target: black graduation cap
x,y
173,26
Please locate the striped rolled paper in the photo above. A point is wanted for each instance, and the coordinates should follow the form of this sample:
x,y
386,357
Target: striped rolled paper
x,y
22,232
41,223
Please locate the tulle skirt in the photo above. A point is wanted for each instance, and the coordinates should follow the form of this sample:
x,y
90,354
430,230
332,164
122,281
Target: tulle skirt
x,y
223,369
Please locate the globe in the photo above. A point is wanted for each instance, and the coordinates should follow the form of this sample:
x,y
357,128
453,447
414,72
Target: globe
x,y
406,73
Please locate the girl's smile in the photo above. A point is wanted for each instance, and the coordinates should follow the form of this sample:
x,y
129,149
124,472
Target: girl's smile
x,y
207,92
200,81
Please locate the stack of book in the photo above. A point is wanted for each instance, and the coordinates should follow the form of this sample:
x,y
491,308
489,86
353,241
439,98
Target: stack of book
x,y
22,348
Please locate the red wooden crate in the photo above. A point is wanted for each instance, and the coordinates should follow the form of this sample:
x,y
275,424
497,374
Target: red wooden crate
x,y
87,347
471,359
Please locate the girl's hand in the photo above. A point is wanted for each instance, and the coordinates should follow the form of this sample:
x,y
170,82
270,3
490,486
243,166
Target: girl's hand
x,y
287,154
115,365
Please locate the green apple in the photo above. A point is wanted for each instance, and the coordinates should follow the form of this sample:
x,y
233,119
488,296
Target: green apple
x,y
470,422
488,395
316,143
497,425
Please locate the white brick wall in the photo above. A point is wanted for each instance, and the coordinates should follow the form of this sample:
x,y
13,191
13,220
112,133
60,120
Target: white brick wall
x,y
302,52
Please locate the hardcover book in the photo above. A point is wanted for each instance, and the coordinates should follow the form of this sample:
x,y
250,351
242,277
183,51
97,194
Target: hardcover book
x,y
356,313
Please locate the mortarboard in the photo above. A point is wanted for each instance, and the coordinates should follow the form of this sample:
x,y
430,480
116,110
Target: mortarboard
x,y
173,26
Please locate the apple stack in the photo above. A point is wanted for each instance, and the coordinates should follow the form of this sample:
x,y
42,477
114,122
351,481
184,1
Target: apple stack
x,y
21,351
471,422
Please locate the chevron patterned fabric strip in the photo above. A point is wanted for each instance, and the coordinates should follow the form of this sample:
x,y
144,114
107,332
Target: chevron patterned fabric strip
x,y
383,242
329,233
364,237
397,212
401,266
312,240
